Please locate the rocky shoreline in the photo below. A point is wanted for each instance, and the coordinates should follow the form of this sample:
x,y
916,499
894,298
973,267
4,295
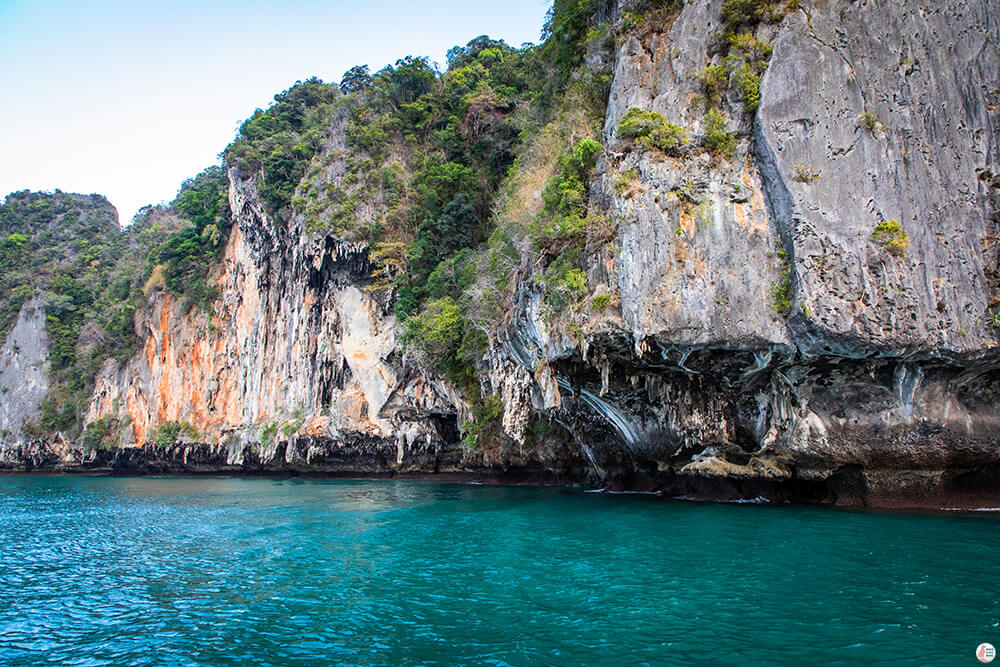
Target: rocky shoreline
x,y
811,315
960,489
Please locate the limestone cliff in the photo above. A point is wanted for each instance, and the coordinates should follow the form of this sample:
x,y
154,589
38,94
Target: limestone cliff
x,y
294,350
24,371
757,335
878,379
54,261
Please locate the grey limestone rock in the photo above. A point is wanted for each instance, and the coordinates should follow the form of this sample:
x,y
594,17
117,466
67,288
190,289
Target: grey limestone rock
x,y
925,79
759,341
24,371
883,369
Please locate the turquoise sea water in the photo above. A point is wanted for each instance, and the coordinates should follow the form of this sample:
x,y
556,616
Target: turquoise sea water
x,y
259,571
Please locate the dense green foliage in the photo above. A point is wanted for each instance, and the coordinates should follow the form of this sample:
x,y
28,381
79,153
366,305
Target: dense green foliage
x,y
45,237
185,257
169,433
66,249
741,70
747,61
565,31
14,251
642,17
439,330
410,159
435,243
458,133
781,291
278,143
744,13
429,150
563,227
717,139
100,434
744,59
652,130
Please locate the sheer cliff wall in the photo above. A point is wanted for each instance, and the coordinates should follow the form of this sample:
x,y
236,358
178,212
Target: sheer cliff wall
x,y
877,377
761,337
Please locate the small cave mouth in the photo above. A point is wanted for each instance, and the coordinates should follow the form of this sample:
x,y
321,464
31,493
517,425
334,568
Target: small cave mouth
x,y
339,266
446,425
983,479
808,491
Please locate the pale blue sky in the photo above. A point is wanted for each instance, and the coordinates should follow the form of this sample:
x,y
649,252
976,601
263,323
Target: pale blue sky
x,y
127,98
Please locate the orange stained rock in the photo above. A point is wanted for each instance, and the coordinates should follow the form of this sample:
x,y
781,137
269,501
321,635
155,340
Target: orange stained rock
x,y
316,426
137,413
237,372
197,412
686,223
150,351
681,252
751,217
164,325
163,388
353,406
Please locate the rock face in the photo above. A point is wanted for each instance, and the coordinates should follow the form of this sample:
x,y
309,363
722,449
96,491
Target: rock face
x,y
295,347
760,339
296,369
24,371
698,245
929,79
879,382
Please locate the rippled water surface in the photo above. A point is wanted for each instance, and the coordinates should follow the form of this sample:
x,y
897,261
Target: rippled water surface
x,y
257,571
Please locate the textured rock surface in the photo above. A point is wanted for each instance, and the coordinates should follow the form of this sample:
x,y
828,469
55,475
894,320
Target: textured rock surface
x,y
879,385
930,73
697,254
294,344
24,371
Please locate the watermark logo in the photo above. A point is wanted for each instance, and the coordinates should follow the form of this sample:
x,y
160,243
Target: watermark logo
x,y
985,652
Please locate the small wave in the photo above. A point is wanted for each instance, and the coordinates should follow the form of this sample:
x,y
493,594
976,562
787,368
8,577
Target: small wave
x,y
759,500
624,493
636,493
970,509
